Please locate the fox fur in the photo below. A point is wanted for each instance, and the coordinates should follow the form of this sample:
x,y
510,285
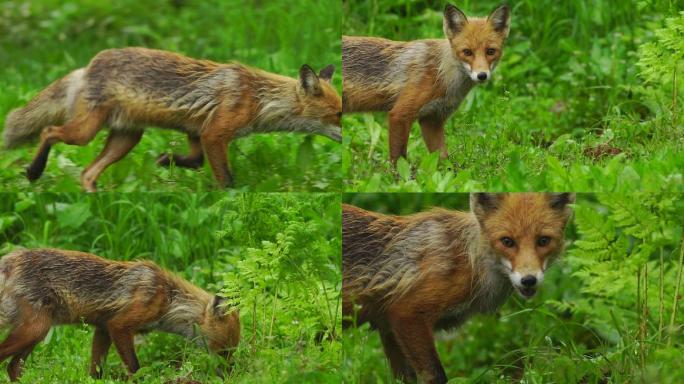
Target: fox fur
x,y
411,275
41,288
423,80
128,89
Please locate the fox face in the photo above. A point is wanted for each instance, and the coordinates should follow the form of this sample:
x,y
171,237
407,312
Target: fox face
x,y
220,328
525,232
477,43
321,105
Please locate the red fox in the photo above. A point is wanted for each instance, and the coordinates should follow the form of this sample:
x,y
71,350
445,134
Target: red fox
x,y
410,275
422,80
128,89
44,287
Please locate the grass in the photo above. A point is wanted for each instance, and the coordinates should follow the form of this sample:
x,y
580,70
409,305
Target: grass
x,y
607,312
569,108
44,40
279,253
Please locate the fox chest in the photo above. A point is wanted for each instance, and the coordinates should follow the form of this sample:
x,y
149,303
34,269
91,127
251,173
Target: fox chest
x,y
446,102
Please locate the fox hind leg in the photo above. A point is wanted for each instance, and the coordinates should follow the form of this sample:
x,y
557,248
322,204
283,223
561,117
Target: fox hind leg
x,y
193,160
21,340
101,343
17,363
117,147
78,131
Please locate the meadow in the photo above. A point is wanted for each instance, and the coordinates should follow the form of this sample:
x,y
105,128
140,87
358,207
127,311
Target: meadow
x,y
276,255
43,40
587,97
608,312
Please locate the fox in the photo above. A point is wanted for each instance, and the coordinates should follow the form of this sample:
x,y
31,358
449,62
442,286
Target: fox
x,y
40,288
409,276
126,89
424,80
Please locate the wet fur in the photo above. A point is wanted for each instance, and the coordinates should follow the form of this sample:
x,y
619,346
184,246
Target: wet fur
x,y
131,88
410,275
118,298
423,80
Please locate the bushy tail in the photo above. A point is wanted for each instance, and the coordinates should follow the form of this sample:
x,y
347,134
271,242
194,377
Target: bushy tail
x,y
49,107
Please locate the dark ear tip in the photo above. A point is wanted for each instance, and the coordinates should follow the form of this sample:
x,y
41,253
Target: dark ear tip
x,y
305,68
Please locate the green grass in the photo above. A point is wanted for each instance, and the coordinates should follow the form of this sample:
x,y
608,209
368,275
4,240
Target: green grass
x,y
43,40
568,107
279,253
594,319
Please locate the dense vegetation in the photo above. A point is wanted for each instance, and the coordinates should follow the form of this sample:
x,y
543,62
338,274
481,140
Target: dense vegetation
x,y
277,253
608,312
585,98
44,40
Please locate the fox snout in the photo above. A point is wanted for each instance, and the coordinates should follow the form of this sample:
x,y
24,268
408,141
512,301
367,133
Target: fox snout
x,y
526,282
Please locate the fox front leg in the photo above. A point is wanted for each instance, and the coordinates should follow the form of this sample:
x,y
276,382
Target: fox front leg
x,y
400,367
416,340
432,128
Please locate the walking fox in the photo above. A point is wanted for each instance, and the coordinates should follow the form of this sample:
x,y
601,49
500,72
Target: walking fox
x,y
410,275
45,287
422,80
127,89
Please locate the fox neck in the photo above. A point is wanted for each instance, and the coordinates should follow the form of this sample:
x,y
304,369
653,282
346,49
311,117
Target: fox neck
x,y
280,110
185,311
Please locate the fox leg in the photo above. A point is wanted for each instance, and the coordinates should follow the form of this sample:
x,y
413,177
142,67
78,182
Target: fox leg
x,y
216,137
194,159
416,340
101,344
123,341
33,328
400,367
432,128
118,145
78,131
401,117
17,363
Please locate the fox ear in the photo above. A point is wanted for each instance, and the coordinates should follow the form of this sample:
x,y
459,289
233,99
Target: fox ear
x,y
482,204
308,80
500,19
217,307
326,73
454,21
560,200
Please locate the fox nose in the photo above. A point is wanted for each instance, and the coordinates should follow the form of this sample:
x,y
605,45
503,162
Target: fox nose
x,y
482,76
528,281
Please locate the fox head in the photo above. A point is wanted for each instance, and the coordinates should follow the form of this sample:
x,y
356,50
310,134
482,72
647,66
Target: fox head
x,y
321,105
220,328
525,231
477,42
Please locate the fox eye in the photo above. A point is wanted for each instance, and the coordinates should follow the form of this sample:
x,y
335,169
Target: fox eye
x,y
467,52
507,242
543,241
490,51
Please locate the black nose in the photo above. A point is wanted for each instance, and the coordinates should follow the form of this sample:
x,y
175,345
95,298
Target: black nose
x,y
482,76
528,281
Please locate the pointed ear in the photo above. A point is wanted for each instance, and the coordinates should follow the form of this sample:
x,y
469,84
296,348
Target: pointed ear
x,y
454,21
559,201
217,307
326,73
482,204
500,19
308,80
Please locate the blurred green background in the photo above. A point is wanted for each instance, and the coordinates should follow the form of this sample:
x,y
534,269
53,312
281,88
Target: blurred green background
x,y
608,312
583,99
43,40
277,253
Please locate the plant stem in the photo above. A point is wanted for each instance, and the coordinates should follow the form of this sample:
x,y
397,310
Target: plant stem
x,y
675,300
